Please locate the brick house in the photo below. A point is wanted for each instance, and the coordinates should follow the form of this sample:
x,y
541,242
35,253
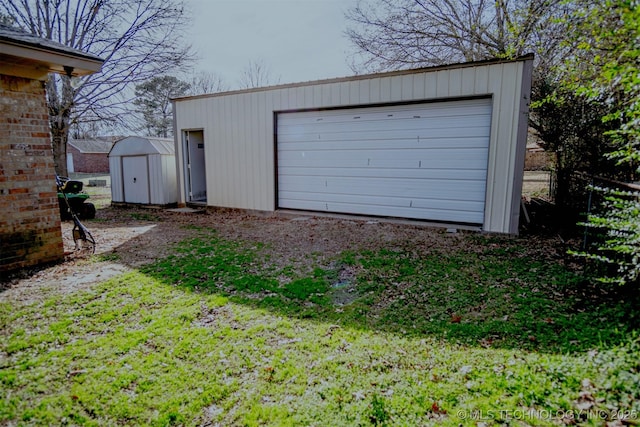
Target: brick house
x,y
30,232
89,155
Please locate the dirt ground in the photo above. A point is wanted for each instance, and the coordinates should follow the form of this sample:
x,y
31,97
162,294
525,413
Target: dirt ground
x,y
127,238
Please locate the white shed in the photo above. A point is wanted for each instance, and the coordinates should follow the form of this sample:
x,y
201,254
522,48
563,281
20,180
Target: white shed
x,y
143,171
441,144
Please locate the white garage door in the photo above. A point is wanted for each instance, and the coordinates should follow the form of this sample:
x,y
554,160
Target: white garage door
x,y
424,161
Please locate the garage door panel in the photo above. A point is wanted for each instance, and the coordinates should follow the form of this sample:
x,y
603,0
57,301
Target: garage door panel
x,y
424,161
423,173
412,188
441,159
385,144
417,124
394,211
438,110
378,200
397,134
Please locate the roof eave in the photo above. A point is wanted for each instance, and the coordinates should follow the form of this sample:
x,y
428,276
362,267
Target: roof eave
x,y
36,62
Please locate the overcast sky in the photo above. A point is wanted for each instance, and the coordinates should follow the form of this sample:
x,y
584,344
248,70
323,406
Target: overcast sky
x,y
298,40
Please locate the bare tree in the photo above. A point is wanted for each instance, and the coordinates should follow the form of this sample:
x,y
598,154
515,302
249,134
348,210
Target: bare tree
x,y
206,82
400,34
257,74
138,39
395,34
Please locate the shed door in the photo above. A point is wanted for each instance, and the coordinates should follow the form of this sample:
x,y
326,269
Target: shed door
x,y
135,177
194,166
424,161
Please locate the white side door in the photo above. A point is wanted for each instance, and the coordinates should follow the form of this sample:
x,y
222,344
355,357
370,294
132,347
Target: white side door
x,y
135,174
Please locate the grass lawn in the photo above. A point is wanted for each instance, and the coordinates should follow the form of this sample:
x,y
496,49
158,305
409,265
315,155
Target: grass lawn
x,y
217,335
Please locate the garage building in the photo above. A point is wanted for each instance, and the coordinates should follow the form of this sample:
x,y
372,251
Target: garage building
x,y
441,144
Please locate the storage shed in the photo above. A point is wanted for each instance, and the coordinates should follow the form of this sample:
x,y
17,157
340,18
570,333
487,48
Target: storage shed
x,y
143,171
442,144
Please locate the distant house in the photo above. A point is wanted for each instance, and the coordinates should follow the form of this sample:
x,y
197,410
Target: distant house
x,y
30,229
536,158
89,155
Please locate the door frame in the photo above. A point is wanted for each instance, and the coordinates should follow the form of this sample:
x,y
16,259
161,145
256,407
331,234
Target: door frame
x,y
124,191
186,165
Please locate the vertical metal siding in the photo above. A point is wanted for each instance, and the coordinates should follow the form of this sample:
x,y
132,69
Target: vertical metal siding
x,y
169,189
162,179
521,138
239,136
115,171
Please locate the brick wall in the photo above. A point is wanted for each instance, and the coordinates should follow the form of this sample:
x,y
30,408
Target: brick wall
x,y
30,231
89,162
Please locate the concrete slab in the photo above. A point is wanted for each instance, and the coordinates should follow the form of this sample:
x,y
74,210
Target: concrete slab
x,y
185,210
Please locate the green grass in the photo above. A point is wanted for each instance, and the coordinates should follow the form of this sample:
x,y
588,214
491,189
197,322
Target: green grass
x,y
99,196
217,334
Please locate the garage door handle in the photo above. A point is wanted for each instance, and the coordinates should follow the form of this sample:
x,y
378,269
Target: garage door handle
x,y
134,180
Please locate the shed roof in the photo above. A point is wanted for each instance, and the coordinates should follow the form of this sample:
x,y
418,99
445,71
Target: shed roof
x,y
141,145
92,145
24,54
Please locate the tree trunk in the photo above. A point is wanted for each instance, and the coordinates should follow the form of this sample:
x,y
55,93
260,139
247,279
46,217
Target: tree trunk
x,y
59,144
60,105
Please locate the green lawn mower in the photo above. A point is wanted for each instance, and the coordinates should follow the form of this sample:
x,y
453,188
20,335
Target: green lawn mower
x,y
73,200
72,206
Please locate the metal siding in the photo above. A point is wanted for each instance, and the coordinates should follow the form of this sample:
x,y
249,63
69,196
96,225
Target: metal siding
x,y
521,145
365,92
344,93
504,80
442,87
385,89
494,75
455,82
431,85
324,96
399,161
354,93
418,89
115,171
335,95
467,85
499,158
266,159
395,86
223,159
170,189
407,92
235,187
240,114
155,177
375,94
309,96
220,116
250,133
510,128
481,82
